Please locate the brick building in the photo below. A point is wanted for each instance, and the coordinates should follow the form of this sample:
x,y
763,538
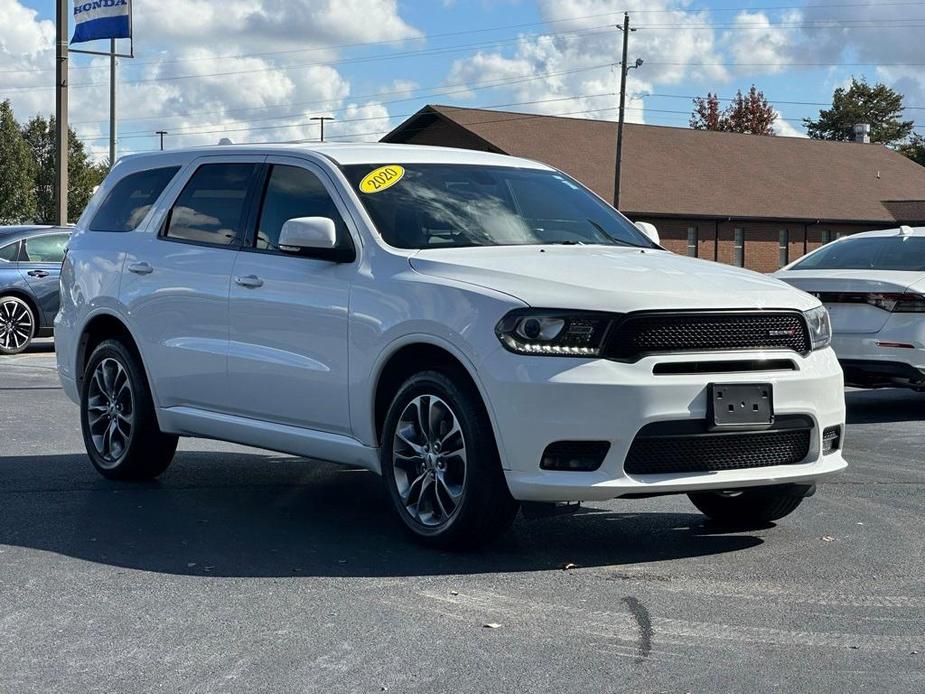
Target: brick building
x,y
754,201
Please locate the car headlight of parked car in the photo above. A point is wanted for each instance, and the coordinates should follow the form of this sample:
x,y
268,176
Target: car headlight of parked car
x,y
820,327
553,333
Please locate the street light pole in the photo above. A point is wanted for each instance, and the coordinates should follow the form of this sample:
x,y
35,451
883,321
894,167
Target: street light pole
x,y
322,119
161,133
61,130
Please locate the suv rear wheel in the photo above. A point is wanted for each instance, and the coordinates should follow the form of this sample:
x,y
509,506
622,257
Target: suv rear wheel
x,y
117,417
749,508
17,325
441,466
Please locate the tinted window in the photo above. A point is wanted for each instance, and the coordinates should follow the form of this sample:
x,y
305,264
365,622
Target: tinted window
x,y
211,207
131,198
871,253
46,249
10,252
444,205
294,192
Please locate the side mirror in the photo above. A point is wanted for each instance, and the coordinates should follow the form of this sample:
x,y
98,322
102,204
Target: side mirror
x,y
650,231
316,233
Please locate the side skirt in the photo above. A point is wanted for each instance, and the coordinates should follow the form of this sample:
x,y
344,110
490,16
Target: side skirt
x,y
282,438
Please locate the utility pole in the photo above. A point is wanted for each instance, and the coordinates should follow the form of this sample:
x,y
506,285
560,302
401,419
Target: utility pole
x,y
161,133
61,184
112,102
624,71
322,119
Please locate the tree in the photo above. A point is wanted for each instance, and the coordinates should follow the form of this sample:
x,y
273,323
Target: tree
x,y
914,148
877,105
707,114
17,196
748,113
83,175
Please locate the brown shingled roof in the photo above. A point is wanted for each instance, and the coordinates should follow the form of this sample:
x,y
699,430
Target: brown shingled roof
x,y
686,172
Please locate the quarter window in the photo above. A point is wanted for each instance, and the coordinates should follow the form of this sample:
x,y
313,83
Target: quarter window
x,y
211,207
46,249
10,252
128,203
294,192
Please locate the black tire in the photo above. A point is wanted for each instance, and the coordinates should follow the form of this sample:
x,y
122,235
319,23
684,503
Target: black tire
x,y
17,325
485,507
143,452
749,508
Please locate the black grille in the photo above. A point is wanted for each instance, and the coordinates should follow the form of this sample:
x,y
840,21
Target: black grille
x,y
648,333
654,454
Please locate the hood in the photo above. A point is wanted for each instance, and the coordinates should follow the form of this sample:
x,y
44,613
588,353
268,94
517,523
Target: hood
x,y
617,279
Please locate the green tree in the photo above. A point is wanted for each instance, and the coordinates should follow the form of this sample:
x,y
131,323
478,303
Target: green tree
x,y
914,148
877,105
83,174
17,196
747,113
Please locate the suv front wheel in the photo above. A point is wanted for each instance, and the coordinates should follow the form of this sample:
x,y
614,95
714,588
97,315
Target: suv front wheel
x,y
441,466
117,417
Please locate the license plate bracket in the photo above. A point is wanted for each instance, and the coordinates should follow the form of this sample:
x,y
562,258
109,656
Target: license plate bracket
x,y
740,405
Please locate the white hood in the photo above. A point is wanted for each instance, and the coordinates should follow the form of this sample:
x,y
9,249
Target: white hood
x,y
617,279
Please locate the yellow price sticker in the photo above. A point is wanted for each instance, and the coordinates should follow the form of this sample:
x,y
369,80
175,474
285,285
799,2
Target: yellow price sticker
x,y
382,178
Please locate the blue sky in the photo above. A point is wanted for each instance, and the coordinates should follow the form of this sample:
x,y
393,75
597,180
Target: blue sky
x,y
371,62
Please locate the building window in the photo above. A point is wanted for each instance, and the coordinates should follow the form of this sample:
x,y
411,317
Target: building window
x,y
838,235
783,248
692,241
739,247
826,236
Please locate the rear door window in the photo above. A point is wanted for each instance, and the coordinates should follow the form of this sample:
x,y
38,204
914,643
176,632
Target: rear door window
x,y
128,203
46,249
10,252
211,208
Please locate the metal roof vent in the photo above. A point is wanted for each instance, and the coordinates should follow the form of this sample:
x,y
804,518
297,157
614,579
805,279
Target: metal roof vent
x,y
862,133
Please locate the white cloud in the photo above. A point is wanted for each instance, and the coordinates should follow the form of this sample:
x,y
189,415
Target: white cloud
x,y
575,58
275,83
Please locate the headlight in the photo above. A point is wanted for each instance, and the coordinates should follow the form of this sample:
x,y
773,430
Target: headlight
x,y
820,327
553,333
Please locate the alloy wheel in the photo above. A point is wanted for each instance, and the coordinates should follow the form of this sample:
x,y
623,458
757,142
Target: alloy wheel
x,y
16,324
429,461
110,410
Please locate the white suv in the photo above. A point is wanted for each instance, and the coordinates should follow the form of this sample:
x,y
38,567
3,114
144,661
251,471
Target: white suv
x,y
481,330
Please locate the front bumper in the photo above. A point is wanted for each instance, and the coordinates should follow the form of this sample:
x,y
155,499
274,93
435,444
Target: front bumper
x,y
536,401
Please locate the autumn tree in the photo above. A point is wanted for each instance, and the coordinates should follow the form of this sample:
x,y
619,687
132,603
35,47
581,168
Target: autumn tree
x,y
17,195
877,105
747,113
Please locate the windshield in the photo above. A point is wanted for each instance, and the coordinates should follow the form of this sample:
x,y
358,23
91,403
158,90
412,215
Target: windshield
x,y
870,253
453,205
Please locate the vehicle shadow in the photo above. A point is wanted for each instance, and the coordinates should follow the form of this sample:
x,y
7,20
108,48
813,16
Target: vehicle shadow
x,y
239,515
884,405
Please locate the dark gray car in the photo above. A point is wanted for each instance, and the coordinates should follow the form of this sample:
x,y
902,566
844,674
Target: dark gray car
x,y
30,265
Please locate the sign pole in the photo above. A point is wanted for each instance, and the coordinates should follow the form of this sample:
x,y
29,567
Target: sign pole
x,y
61,130
112,102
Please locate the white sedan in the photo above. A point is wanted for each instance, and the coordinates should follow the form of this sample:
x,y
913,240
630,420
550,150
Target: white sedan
x,y
872,284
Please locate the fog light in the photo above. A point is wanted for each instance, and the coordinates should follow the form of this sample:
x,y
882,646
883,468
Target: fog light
x,y
577,456
831,440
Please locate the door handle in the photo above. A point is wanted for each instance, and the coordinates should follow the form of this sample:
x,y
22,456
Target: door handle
x,y
37,273
251,281
141,268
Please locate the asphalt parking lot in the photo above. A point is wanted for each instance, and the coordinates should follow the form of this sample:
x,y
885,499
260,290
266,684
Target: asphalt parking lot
x,y
242,570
